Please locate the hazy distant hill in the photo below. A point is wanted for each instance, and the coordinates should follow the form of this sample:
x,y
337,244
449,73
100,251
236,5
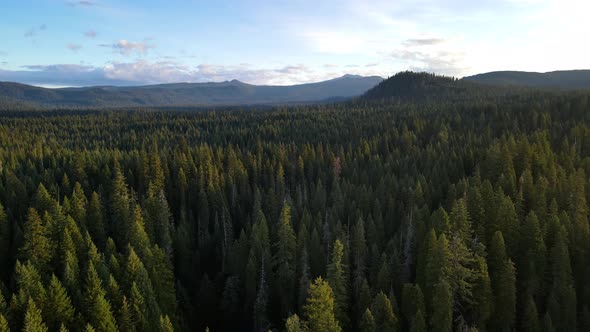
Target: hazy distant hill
x,y
187,94
569,79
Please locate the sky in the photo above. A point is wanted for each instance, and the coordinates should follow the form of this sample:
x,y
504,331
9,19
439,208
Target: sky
x,y
56,43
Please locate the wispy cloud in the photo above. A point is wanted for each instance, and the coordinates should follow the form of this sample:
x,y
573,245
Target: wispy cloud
x,y
439,61
83,3
74,47
297,69
126,47
70,68
424,41
34,30
90,34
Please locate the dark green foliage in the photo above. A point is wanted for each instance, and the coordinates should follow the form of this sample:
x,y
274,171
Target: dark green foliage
x,y
58,306
385,319
427,215
367,323
336,280
36,247
442,308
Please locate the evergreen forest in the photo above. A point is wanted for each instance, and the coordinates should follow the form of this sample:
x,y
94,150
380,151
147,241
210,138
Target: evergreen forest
x,y
451,208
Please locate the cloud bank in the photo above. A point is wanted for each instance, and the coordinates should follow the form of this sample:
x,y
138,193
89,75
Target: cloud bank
x,y
142,72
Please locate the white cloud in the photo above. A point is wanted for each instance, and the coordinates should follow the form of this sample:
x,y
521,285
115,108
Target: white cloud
x,y
423,41
143,72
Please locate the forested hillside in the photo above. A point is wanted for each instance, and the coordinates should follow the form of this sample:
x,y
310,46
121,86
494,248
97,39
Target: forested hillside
x,y
377,215
189,94
563,79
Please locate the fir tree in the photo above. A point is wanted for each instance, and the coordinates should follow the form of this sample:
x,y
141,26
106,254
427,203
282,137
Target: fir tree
x,y
337,281
319,309
33,321
382,310
58,307
294,324
36,246
98,309
367,323
442,308
284,259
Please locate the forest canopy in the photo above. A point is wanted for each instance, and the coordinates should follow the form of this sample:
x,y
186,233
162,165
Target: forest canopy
x,y
382,214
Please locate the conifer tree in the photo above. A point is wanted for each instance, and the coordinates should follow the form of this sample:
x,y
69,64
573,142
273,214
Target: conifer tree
x,y
158,219
78,203
337,281
418,323
284,259
120,207
4,327
95,220
530,317
36,246
412,302
124,319
5,236
319,309
33,321
562,301
138,237
97,308
532,264
58,307
137,276
442,308
437,265
294,324
382,310
261,304
166,324
505,297
367,323
138,308
482,306
358,250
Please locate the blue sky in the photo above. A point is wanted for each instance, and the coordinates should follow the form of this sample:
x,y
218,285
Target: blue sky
x,y
132,42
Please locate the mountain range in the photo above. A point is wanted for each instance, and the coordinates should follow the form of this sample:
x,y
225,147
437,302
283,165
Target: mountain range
x,y
401,86
565,79
189,94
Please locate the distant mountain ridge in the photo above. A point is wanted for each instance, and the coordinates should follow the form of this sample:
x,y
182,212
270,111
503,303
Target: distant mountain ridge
x,y
189,94
564,79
